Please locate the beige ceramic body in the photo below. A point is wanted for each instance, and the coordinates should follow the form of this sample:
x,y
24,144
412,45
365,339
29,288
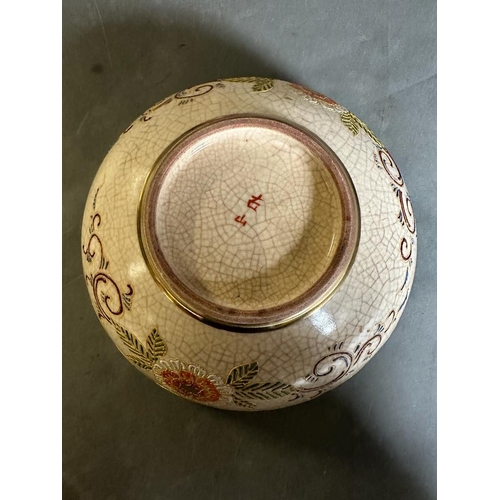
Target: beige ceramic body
x,y
273,367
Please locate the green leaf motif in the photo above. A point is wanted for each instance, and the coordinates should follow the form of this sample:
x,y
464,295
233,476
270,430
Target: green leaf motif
x,y
265,391
240,376
143,357
259,84
243,403
140,362
156,346
131,342
351,122
263,85
354,124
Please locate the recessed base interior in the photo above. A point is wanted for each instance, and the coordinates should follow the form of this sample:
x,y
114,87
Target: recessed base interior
x,y
244,218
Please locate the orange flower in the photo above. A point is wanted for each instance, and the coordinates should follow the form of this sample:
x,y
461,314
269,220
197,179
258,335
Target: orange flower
x,y
187,384
191,382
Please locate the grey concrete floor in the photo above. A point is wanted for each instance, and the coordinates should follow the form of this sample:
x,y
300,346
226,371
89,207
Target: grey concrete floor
x,y
372,438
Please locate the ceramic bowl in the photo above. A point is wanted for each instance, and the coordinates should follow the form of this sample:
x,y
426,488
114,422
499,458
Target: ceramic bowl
x,y
248,244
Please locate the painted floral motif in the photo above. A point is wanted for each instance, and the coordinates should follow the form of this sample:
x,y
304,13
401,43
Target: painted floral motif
x,y
187,380
110,299
146,356
406,215
246,391
182,98
316,97
186,96
191,382
259,84
339,363
385,161
241,387
143,118
389,165
350,120
354,124
195,383
159,104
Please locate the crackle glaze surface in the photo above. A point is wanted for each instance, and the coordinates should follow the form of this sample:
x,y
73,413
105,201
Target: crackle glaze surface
x,y
248,218
285,230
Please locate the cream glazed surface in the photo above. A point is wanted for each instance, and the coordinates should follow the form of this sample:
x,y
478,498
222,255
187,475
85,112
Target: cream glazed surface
x,y
248,244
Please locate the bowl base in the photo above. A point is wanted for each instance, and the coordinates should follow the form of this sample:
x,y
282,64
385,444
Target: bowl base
x,y
249,222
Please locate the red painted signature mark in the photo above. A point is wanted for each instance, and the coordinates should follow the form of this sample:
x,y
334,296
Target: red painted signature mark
x,y
241,220
252,202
